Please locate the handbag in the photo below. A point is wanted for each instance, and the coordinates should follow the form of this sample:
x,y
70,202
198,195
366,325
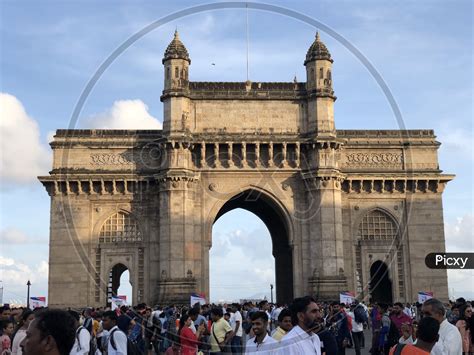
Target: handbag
x,y
225,348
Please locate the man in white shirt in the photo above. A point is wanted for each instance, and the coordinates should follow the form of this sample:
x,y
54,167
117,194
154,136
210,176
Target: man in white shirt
x,y
236,324
449,342
117,344
261,343
301,340
83,337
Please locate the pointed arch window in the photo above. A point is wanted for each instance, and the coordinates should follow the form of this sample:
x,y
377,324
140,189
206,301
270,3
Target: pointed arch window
x,y
176,72
120,227
377,225
321,75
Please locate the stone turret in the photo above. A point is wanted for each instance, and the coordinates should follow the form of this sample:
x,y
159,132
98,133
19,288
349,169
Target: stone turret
x,y
320,91
176,63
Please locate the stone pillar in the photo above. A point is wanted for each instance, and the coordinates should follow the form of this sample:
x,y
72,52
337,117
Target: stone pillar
x,y
203,154
297,155
244,154
270,154
230,153
283,158
217,161
257,154
326,238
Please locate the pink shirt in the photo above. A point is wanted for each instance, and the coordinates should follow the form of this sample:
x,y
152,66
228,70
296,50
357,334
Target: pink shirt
x,y
5,343
398,320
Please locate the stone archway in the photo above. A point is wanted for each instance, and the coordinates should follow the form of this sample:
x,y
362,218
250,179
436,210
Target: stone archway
x,y
114,280
264,207
380,283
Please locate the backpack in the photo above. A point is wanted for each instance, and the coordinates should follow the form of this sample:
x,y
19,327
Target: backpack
x,y
393,334
132,347
92,343
360,315
397,350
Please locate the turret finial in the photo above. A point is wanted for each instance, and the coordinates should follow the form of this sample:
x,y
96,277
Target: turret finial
x,y
317,36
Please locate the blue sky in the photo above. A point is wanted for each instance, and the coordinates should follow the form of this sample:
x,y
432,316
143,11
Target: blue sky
x,y
50,49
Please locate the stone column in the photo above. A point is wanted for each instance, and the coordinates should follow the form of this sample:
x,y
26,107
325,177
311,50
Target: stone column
x,y
326,238
217,161
270,154
179,249
297,155
244,154
203,154
257,154
283,160
230,153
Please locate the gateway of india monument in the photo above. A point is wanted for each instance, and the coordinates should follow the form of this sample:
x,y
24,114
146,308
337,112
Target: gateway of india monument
x,y
347,210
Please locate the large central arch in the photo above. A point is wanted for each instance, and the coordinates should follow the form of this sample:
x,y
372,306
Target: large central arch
x,y
275,219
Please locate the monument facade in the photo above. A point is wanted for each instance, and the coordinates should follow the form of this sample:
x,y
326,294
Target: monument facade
x,y
347,210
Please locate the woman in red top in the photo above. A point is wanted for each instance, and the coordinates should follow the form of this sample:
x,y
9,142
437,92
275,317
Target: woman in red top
x,y
189,340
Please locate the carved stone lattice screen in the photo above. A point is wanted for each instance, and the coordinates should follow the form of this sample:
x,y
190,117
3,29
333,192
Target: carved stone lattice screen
x,y
377,225
120,227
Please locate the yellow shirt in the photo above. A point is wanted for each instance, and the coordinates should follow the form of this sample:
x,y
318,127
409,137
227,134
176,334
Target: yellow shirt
x,y
220,329
278,334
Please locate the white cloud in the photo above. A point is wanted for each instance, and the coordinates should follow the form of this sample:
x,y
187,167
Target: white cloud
x,y
460,235
23,156
6,261
14,275
460,283
241,261
125,114
14,236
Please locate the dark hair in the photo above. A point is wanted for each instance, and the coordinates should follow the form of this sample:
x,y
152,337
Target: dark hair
x,y
299,305
24,316
237,306
193,312
428,329
462,311
182,322
111,315
469,320
60,325
217,311
284,313
436,305
399,304
74,314
4,323
384,306
259,315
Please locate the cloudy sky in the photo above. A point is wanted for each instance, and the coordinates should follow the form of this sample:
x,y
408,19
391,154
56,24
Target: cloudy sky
x,y
50,49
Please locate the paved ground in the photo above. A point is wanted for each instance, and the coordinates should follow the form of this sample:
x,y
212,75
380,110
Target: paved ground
x,y
368,342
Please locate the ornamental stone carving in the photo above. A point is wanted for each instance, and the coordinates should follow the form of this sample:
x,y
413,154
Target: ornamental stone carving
x,y
374,160
111,159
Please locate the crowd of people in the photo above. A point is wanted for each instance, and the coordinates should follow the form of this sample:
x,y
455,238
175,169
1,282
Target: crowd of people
x,y
303,327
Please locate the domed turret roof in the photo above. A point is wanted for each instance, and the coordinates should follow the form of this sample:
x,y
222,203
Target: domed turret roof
x,y
176,49
318,50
